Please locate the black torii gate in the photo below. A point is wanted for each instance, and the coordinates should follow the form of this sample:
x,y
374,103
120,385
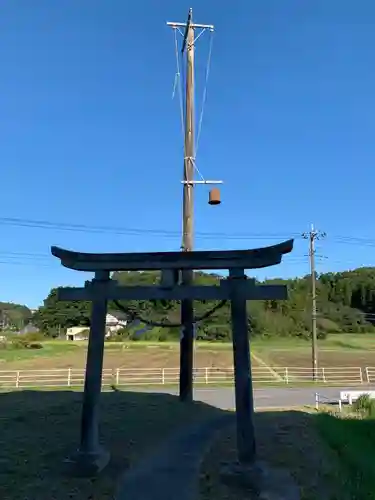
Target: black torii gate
x,y
90,457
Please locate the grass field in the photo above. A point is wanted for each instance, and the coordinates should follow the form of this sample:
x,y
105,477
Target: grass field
x,y
336,351
39,430
353,440
65,355
346,350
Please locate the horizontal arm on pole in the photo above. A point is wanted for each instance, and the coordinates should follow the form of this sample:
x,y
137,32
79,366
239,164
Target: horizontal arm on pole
x,y
202,182
193,25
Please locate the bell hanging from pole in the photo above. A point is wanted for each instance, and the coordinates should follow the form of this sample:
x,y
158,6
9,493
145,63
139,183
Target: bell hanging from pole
x,y
214,197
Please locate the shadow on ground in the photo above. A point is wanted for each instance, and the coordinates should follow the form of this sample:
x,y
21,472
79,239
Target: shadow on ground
x,y
39,429
329,456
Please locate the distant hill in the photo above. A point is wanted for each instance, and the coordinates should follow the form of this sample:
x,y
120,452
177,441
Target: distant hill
x,y
346,303
14,316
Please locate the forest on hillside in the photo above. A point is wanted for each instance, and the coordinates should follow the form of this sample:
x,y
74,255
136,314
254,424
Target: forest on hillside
x,y
346,303
13,316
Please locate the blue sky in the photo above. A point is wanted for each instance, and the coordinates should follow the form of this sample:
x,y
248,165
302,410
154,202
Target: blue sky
x,y
90,134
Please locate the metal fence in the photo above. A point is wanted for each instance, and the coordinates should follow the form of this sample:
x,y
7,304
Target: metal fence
x,y
71,377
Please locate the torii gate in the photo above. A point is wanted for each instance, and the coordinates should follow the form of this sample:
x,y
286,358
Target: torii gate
x,y
90,457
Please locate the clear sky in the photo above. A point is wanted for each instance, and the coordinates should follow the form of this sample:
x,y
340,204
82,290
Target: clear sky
x,y
90,134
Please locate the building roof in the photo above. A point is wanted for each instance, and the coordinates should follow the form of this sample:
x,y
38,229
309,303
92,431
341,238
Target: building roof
x,y
120,315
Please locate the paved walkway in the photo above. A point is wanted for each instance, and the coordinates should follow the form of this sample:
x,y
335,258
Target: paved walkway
x,y
172,472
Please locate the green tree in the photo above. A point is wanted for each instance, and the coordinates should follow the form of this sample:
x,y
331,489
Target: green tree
x,y
56,316
345,302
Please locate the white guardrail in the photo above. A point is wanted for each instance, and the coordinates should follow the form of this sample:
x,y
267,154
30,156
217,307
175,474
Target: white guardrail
x,y
71,377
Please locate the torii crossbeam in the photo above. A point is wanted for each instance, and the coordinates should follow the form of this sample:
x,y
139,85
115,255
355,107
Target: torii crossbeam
x,y
238,289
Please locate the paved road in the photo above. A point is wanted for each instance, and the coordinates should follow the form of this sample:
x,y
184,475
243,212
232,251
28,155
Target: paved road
x,y
266,398
270,397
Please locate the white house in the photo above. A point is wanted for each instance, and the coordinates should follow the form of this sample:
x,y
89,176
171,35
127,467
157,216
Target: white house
x,y
77,333
114,321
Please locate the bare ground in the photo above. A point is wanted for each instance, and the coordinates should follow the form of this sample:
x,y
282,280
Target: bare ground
x,y
147,357
118,356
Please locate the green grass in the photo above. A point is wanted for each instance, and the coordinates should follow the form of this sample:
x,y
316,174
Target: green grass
x,y
141,344
337,342
341,344
353,439
354,341
50,349
344,340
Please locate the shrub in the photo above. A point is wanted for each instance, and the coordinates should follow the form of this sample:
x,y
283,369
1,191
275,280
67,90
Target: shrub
x,y
19,343
4,344
34,336
22,343
35,345
365,406
163,336
362,403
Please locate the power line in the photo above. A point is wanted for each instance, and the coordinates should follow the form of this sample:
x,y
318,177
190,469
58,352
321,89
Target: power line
x,y
204,98
132,231
86,228
29,263
10,253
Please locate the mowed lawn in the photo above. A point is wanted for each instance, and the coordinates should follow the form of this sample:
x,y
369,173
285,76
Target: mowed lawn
x,y
39,430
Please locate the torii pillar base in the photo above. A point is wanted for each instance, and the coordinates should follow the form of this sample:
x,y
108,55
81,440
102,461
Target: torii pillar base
x,y
87,464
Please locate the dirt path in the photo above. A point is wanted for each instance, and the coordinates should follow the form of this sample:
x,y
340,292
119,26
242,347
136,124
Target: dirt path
x,y
172,472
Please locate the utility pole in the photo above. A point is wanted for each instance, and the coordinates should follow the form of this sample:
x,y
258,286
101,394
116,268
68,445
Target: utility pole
x,y
312,236
187,277
187,307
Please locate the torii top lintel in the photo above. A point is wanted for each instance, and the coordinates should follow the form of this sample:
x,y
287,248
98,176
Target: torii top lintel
x,y
216,259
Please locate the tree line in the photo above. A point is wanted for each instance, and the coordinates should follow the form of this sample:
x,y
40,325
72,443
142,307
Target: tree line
x,y
345,303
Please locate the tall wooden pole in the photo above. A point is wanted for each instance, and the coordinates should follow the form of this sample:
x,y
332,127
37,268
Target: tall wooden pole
x,y
312,236
314,351
187,309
